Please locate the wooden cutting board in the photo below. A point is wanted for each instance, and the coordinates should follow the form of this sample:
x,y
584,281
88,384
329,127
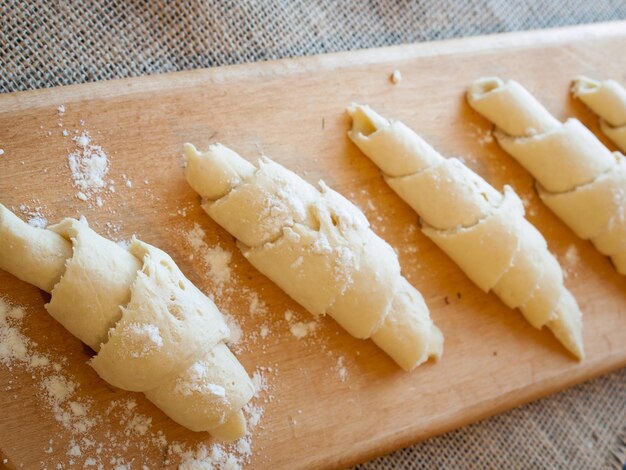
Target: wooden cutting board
x,y
293,111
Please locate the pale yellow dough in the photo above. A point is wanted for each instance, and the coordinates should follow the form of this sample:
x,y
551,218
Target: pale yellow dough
x,y
152,329
578,177
33,255
608,100
318,247
483,231
87,298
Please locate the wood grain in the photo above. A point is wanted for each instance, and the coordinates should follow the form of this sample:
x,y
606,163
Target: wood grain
x,y
293,111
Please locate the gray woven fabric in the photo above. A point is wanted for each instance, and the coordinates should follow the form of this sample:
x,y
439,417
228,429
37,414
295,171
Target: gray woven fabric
x,y
49,43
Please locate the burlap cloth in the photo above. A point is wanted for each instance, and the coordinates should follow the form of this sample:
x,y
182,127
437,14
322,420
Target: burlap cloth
x,y
48,43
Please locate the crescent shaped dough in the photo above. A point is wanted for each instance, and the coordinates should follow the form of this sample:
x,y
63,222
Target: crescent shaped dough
x,y
578,178
318,247
483,231
152,329
608,100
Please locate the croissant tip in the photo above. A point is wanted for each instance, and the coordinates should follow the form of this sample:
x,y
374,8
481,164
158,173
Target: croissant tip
x,y
577,350
567,326
351,108
582,85
483,86
233,429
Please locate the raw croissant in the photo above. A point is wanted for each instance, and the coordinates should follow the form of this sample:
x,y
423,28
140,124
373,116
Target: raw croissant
x,y
483,231
318,247
152,329
579,178
608,100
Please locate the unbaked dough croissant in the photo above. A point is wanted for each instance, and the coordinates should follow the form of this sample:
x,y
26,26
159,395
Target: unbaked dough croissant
x,y
318,247
608,100
152,329
579,178
483,231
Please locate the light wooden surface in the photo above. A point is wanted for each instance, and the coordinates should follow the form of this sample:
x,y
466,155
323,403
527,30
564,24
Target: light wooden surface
x,y
294,112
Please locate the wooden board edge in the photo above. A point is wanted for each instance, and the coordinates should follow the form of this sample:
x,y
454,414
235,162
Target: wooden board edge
x,y
481,411
175,80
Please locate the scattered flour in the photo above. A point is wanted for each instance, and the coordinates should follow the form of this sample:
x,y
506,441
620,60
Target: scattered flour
x,y
259,381
487,138
57,388
89,165
130,421
74,451
257,307
1,152
34,214
411,248
483,136
13,345
183,210
59,395
235,330
571,260
571,255
216,260
144,338
341,368
195,238
194,381
127,181
138,424
300,329
254,414
217,456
